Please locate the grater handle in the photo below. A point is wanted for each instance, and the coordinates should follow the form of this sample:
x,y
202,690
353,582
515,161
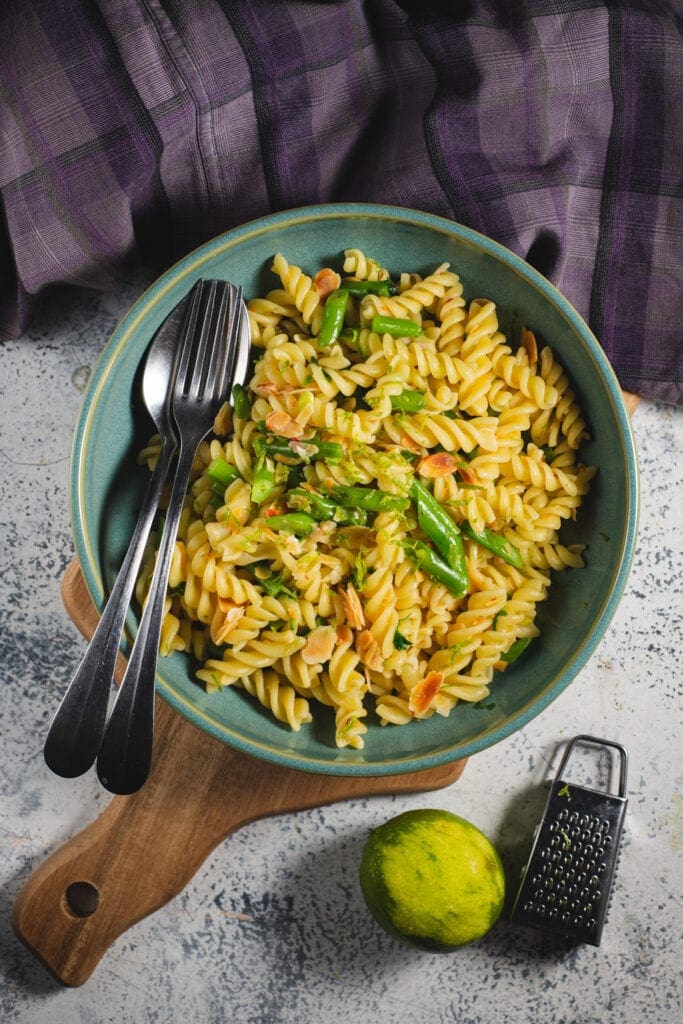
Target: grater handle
x,y
595,741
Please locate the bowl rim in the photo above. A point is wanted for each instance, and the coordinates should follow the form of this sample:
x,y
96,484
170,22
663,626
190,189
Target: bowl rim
x,y
124,330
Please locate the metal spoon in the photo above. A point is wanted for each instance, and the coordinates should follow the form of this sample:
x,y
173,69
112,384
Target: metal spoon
x,y
204,379
77,729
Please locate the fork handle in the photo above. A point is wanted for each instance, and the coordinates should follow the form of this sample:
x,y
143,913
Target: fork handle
x,y
125,755
76,731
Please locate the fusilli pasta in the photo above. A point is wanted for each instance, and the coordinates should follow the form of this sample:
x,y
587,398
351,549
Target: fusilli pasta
x,y
309,568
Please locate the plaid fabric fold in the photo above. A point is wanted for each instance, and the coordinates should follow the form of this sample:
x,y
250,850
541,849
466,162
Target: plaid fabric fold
x,y
133,131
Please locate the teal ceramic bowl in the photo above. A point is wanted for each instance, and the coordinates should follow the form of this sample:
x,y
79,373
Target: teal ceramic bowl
x,y
107,485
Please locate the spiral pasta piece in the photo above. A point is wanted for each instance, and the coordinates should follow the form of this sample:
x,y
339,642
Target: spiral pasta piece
x,y
363,267
302,291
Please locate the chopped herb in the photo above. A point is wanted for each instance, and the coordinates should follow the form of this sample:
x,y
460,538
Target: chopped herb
x,y
275,586
401,643
498,615
455,650
564,791
408,401
360,571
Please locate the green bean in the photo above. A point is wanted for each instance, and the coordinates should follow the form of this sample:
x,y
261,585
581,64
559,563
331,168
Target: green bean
x,y
241,403
279,447
351,336
221,472
408,401
360,288
264,479
496,543
431,563
369,498
441,529
517,648
298,523
395,326
333,317
324,509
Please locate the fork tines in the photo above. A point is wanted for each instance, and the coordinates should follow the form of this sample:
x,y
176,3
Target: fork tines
x,y
214,304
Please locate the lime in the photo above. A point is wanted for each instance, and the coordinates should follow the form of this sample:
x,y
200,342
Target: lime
x,y
432,878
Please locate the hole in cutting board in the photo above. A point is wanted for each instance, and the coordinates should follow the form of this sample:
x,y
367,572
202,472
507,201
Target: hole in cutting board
x,y
82,898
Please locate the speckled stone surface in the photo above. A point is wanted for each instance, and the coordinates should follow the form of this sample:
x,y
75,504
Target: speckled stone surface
x,y
273,929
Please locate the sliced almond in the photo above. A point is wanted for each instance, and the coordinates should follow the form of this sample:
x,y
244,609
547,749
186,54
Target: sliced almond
x,y
233,614
437,465
319,645
326,281
344,635
283,425
407,442
467,475
355,616
369,651
424,692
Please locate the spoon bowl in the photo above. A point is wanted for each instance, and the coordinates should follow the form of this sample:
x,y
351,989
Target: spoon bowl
x,y
76,732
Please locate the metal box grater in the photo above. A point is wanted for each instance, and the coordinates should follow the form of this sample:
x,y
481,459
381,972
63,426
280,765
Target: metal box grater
x,y
567,882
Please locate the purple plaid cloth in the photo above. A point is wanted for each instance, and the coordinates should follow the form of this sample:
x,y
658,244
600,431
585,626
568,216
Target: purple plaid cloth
x,y
134,130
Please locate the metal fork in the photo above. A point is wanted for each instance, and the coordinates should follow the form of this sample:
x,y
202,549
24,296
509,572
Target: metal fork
x,y
77,728
202,383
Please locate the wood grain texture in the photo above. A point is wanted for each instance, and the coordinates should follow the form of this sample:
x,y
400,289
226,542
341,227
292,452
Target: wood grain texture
x,y
630,401
145,848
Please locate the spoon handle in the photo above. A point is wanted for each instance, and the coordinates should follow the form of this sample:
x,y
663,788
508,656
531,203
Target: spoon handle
x,y
77,729
125,755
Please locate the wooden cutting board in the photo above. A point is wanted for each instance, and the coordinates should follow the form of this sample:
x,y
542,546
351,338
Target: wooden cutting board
x,y
144,849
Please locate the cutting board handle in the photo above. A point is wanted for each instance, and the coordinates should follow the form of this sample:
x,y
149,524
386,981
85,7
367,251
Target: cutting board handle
x,y
145,848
